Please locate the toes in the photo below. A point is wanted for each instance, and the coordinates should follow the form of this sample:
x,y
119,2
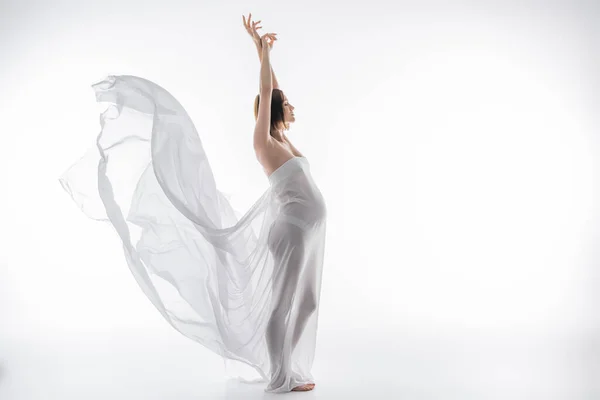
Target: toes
x,y
304,388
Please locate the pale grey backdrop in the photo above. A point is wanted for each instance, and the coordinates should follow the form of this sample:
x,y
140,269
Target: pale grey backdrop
x,y
456,146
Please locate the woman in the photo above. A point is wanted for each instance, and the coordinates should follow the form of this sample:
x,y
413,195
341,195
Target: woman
x,y
248,287
302,209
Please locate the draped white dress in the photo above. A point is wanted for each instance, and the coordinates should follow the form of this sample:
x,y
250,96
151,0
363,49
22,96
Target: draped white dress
x,y
247,288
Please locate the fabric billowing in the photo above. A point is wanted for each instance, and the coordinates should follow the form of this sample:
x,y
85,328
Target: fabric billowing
x,y
246,287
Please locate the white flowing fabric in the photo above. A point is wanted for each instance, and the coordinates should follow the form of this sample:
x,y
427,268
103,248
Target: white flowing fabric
x,y
246,288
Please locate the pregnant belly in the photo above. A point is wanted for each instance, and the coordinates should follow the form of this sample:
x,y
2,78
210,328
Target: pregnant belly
x,y
305,213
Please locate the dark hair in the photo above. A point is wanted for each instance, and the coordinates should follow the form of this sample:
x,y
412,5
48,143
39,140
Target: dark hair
x,y
277,121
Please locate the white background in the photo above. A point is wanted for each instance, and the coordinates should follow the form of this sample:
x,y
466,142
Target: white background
x,y
456,147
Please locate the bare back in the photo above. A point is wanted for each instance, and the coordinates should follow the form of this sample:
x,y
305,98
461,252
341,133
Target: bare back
x,y
275,153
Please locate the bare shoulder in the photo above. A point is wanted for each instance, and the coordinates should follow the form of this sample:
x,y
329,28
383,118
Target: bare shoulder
x,y
272,155
292,148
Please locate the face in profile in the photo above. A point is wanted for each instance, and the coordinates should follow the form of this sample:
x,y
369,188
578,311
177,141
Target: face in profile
x,y
288,111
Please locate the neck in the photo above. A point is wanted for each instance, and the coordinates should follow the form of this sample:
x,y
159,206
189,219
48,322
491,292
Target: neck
x,y
277,134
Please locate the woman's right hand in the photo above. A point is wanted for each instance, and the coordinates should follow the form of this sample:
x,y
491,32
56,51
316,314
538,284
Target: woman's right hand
x,y
267,41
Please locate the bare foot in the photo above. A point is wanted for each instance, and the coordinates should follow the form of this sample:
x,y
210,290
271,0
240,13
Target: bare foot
x,y
304,388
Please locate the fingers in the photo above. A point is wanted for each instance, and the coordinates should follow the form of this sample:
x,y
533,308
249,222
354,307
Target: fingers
x,y
256,23
269,38
247,23
252,27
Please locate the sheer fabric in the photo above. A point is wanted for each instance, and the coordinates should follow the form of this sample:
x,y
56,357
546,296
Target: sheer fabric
x,y
247,288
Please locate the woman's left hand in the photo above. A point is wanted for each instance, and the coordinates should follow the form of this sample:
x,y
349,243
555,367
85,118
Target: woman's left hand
x,y
251,28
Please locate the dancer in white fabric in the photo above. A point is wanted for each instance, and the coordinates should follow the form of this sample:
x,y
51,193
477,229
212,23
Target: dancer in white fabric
x,y
273,149
246,288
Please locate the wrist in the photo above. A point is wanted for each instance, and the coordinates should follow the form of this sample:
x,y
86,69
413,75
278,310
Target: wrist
x,y
259,49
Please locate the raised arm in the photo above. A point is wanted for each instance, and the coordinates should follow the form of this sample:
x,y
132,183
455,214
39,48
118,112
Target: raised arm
x,y
263,122
251,28
259,49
